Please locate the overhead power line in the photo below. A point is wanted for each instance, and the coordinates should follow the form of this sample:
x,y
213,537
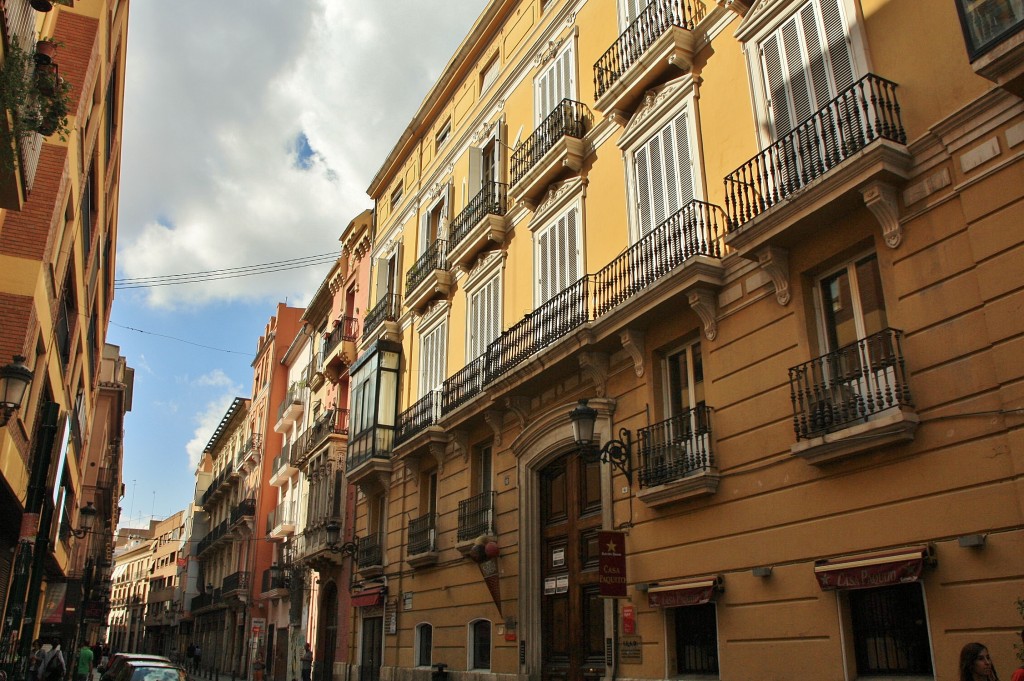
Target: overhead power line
x,y
225,273
180,340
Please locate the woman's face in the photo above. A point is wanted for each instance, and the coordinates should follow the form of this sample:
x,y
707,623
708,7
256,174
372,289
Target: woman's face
x,y
982,665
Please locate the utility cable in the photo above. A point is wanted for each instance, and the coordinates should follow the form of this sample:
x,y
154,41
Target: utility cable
x,y
180,340
229,273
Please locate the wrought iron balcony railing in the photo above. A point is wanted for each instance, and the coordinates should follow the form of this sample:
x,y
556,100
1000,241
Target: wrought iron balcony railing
x,y
236,581
676,447
369,551
490,200
245,509
424,413
331,422
423,535
651,24
849,385
294,396
569,119
274,579
696,229
388,308
346,329
376,442
463,385
476,516
866,112
434,258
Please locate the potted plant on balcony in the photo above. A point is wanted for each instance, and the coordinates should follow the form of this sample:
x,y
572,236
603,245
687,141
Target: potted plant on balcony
x,y
41,5
33,99
46,50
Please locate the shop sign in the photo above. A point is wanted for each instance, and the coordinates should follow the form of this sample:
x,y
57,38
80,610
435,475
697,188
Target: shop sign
x,y
611,564
631,650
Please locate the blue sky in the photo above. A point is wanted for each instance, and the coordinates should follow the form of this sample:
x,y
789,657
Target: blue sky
x,y
232,156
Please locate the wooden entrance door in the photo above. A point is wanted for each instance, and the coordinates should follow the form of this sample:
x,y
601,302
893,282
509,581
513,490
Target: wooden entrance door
x,y
373,640
572,612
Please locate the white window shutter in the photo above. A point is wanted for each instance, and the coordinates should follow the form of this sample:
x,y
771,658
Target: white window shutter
x,y
664,174
781,115
556,82
475,170
572,249
685,162
839,55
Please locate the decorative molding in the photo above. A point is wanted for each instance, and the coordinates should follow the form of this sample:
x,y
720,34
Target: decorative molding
x,y
882,200
432,315
595,366
495,418
459,440
656,102
704,303
489,263
774,261
740,7
550,51
633,344
557,199
520,407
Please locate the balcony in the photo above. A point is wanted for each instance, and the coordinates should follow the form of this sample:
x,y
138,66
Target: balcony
x,y
422,547
314,373
243,512
290,409
480,225
370,556
676,459
283,469
994,34
18,171
368,463
463,385
275,583
555,145
339,348
418,433
212,537
476,519
660,41
280,523
852,400
853,150
251,451
429,277
384,315
331,426
236,585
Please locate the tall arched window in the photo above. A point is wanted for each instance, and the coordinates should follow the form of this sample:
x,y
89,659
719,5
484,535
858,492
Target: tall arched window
x,y
424,644
480,645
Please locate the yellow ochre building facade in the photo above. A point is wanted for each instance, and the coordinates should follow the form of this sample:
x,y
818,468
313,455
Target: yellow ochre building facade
x,y
775,247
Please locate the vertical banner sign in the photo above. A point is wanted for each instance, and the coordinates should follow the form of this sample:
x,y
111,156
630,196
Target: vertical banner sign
x,y
629,619
53,605
612,564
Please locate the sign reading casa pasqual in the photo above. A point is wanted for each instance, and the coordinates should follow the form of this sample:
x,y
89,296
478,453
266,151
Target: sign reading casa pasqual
x,y
612,563
897,572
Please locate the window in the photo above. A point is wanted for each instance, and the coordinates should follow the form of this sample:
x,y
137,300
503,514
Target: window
x,y
484,165
434,222
483,470
805,63
663,174
443,134
424,641
852,303
432,358
696,639
396,196
890,630
484,316
629,10
556,82
489,74
387,275
988,22
480,644
685,380
558,255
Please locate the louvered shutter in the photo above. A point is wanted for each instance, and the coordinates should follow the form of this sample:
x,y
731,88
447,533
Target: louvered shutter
x,y
484,317
633,8
558,256
432,351
557,82
664,174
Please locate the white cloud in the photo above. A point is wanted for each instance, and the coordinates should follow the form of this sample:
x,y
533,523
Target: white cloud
x,y
213,109
216,378
209,418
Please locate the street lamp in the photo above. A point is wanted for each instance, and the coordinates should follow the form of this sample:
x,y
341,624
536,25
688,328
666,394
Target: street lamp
x,y
14,381
334,545
619,453
86,518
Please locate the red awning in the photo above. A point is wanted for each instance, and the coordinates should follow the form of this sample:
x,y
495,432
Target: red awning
x,y
871,570
368,597
681,594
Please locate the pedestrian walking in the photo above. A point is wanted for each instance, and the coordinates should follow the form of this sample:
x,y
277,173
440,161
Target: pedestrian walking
x,y
307,664
197,658
53,667
976,664
38,652
83,670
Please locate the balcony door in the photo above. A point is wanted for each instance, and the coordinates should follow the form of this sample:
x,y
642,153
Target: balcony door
x,y
371,649
629,10
860,357
687,424
556,82
572,611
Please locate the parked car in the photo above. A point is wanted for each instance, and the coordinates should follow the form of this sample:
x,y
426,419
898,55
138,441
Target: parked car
x,y
120,659
150,670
